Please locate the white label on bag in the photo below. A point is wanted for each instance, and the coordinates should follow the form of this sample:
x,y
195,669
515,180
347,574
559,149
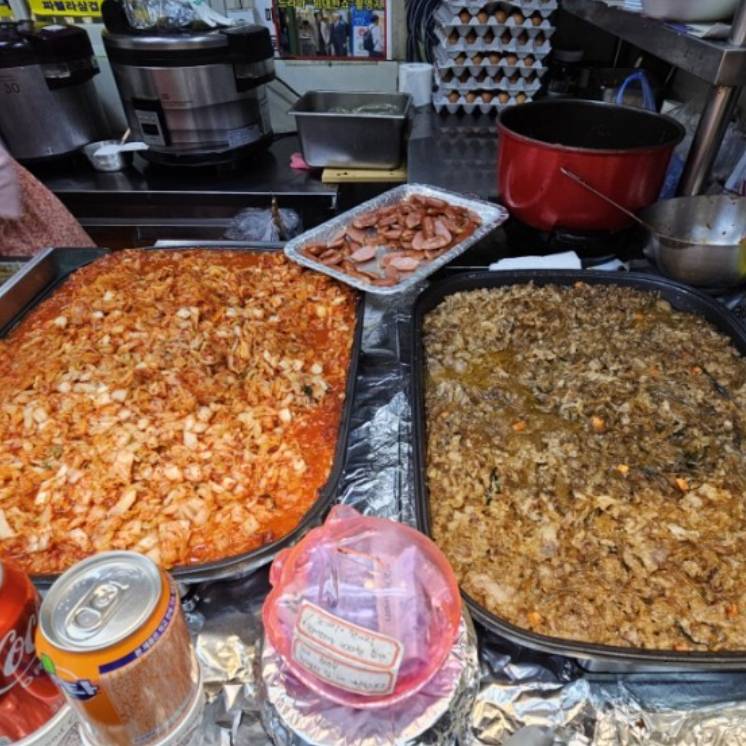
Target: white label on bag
x,y
345,654
344,675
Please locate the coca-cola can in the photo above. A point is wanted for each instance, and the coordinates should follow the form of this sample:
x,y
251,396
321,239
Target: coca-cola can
x,y
28,696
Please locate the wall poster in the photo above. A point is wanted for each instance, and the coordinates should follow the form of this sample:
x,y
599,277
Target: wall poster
x,y
332,29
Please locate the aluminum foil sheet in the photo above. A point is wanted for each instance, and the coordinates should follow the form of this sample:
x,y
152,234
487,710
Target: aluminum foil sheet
x,y
525,698
378,477
491,215
437,715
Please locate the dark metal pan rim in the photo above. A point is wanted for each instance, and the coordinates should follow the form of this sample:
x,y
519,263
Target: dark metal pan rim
x,y
681,297
550,104
598,651
247,561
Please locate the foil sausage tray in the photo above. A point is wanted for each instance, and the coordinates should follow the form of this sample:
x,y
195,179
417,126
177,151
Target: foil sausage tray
x,y
490,214
49,269
592,656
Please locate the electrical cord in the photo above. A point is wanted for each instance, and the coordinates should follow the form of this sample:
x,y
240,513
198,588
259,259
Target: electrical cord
x,y
421,37
288,86
418,12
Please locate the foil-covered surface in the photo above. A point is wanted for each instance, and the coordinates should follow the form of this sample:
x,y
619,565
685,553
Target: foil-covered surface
x,y
437,715
525,698
490,214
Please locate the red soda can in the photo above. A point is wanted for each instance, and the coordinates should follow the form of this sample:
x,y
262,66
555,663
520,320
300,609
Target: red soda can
x,y
28,696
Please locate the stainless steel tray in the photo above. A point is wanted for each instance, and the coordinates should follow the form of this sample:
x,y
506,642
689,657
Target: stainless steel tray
x,y
491,216
592,656
49,269
352,130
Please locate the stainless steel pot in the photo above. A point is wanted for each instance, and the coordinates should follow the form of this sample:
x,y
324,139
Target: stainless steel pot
x,y
48,102
711,250
195,98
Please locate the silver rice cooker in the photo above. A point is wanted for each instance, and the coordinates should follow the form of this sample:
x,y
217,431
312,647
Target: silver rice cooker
x,y
195,97
48,102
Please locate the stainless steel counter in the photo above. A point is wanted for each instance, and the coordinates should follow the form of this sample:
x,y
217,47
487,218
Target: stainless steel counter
x,y
717,62
454,151
145,202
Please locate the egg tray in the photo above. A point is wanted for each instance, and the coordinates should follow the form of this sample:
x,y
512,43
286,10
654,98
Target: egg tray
x,y
446,50
492,71
489,83
545,8
503,67
445,56
444,17
461,36
525,41
441,103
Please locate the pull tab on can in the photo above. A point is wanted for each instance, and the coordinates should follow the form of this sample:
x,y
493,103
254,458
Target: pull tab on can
x,y
101,601
92,612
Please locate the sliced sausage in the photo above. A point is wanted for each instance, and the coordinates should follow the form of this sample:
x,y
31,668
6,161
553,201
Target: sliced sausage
x,y
451,224
404,263
314,249
413,219
418,241
336,241
429,244
367,220
387,258
331,257
363,254
357,235
442,230
388,220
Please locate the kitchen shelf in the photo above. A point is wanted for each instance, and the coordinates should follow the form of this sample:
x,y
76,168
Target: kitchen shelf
x,y
717,62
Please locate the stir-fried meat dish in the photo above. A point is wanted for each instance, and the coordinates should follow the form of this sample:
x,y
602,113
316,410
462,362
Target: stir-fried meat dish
x,y
586,464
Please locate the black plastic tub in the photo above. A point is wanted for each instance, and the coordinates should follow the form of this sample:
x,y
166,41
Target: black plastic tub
x,y
48,270
682,298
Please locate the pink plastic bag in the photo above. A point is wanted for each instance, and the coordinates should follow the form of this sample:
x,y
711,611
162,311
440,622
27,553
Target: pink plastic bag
x,y
363,610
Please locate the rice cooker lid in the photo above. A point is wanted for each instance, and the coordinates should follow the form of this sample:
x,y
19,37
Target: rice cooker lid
x,y
25,43
238,45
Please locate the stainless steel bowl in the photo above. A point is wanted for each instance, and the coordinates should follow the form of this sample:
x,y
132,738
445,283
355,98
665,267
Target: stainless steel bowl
x,y
714,232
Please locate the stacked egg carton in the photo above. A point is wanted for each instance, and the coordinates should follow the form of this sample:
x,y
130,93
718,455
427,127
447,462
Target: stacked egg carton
x,y
490,55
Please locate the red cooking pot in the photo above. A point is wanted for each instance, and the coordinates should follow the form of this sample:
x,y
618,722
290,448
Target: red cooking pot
x,y
622,151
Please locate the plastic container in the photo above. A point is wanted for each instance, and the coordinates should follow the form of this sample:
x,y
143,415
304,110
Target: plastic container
x,y
364,610
111,162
